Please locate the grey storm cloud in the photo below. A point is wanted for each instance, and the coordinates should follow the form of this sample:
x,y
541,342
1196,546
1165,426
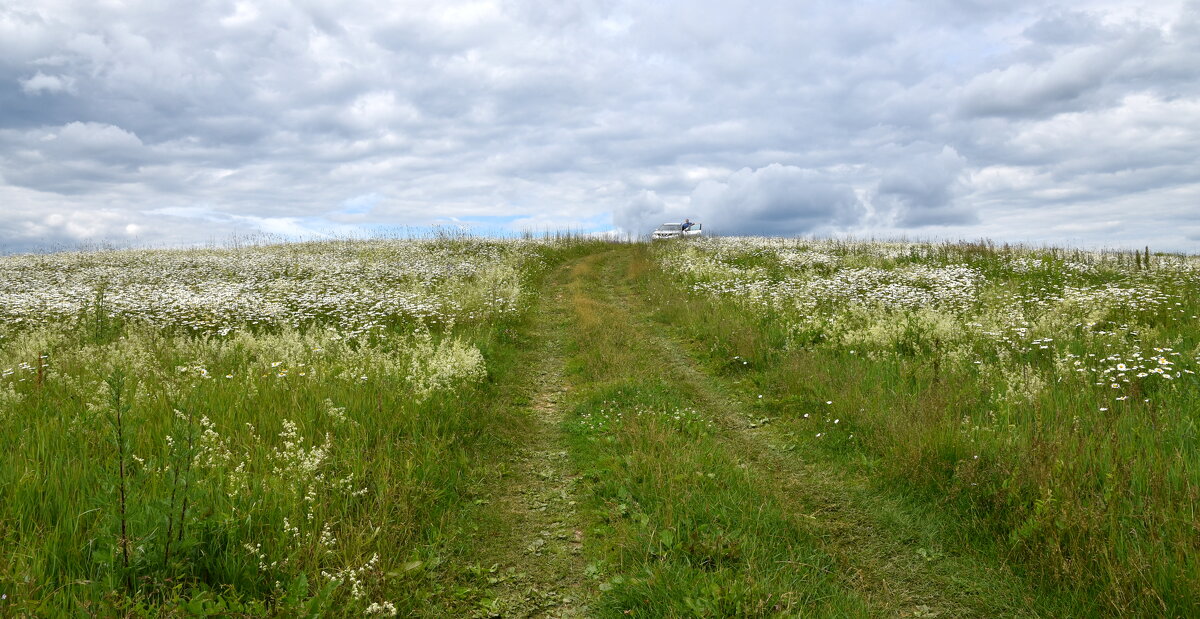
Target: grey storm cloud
x,y
641,214
923,190
779,200
174,124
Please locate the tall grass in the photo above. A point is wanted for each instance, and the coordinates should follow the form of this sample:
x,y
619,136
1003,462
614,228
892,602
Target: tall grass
x,y
269,453
307,429
1046,395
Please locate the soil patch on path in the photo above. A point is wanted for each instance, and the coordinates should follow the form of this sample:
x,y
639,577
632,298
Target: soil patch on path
x,y
533,565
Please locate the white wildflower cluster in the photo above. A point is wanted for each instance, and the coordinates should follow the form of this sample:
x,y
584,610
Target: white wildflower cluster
x,y
9,399
386,609
1025,317
808,258
1131,367
1113,296
299,467
299,312
358,287
1027,264
299,479
355,576
336,413
605,419
439,365
713,268
905,288
25,371
256,551
1031,264
212,450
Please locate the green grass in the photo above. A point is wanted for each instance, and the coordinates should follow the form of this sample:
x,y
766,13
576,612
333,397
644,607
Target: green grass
x,y
679,527
757,428
274,470
1081,489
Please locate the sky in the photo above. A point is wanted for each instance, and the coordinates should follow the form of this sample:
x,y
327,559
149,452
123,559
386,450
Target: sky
x,y
178,123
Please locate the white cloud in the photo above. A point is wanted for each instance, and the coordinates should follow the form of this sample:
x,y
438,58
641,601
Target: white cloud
x,y
880,117
41,83
93,138
1026,89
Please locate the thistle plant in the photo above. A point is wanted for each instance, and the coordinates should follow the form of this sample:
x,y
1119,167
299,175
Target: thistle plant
x,y
119,407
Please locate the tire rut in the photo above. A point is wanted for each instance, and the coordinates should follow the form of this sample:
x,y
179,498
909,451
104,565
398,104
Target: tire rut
x,y
537,560
898,571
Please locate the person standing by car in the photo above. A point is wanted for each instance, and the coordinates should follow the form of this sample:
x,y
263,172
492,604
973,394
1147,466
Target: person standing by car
x,y
687,225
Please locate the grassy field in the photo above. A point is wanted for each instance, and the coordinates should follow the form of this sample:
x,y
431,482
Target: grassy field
x,y
563,427
288,429
1046,397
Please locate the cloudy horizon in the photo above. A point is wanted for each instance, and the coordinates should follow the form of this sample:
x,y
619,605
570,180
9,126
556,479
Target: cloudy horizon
x,y
1037,122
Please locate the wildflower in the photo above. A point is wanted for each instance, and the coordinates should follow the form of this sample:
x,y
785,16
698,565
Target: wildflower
x,y
386,609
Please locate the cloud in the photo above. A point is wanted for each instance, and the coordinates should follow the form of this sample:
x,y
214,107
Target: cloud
x,y
922,191
88,139
1064,27
49,224
776,199
41,83
1028,89
879,118
641,214
75,158
357,208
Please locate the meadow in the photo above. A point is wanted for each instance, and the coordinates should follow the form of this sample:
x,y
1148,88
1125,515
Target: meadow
x,y
275,429
747,427
1047,396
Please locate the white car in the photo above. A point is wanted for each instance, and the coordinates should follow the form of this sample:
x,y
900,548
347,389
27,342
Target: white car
x,y
675,231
